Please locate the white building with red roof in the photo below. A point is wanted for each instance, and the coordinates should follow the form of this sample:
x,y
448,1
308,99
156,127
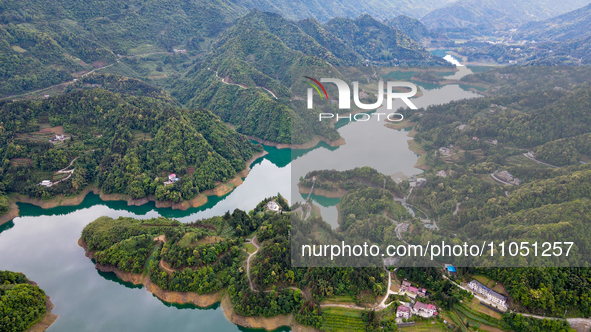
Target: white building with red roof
x,y
412,291
424,310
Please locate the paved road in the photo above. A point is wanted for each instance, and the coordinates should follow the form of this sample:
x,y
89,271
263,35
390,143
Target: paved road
x,y
87,73
539,162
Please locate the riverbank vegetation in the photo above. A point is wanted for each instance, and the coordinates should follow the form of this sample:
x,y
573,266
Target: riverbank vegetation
x,y
203,257
22,303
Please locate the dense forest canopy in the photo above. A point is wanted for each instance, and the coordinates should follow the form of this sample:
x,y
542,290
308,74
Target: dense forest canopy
x,y
22,303
122,143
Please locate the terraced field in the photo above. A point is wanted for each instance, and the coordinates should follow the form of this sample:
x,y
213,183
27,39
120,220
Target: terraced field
x,y
476,319
340,319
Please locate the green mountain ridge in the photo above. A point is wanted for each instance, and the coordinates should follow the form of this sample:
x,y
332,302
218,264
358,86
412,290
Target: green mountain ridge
x,y
411,27
247,77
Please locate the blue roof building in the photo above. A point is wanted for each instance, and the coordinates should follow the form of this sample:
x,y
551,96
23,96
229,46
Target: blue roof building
x,y
450,269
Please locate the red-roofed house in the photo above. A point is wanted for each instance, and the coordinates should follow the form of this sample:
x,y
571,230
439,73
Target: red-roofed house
x,y
424,310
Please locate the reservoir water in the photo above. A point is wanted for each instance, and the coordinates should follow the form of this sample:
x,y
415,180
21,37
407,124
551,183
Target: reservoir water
x,y
43,243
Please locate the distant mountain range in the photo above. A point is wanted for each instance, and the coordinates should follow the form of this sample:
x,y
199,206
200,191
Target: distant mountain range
x,y
325,10
467,18
572,25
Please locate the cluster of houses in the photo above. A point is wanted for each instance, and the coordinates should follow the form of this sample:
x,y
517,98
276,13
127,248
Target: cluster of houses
x,y
58,138
507,177
488,293
411,291
418,308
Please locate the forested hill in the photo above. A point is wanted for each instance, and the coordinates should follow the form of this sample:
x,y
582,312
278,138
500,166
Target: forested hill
x,y
121,143
376,41
248,74
524,120
22,302
411,27
42,44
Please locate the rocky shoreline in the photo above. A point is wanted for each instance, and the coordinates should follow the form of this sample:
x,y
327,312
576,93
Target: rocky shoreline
x,y
202,301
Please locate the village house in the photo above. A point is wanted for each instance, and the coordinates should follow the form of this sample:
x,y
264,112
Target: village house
x,y
461,127
45,183
475,139
442,174
424,310
273,206
488,293
492,141
171,179
445,151
412,291
58,138
507,177
450,270
417,182
403,312
530,154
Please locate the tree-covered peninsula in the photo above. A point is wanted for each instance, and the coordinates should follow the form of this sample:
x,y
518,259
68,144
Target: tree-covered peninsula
x,y
121,136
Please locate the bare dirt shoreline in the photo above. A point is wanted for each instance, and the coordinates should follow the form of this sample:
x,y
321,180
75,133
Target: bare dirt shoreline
x,y
60,200
202,301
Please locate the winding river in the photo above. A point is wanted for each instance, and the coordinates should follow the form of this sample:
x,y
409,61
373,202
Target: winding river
x,y
43,243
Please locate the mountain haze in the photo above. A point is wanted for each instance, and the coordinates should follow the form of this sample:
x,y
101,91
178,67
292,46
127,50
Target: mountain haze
x,y
572,25
475,17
